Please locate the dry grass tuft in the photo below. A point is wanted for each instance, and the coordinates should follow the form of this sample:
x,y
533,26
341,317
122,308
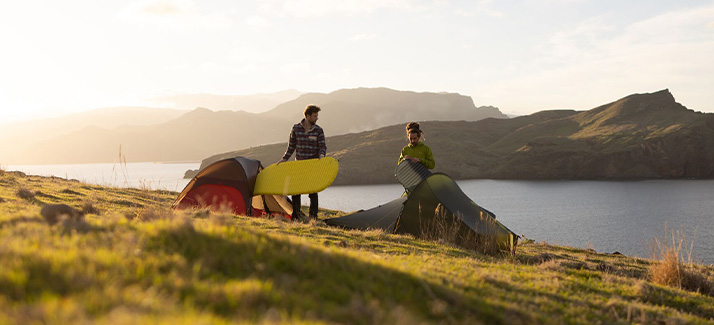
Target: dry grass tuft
x,y
671,268
668,271
154,213
70,191
88,207
563,264
25,194
221,218
182,225
537,259
198,213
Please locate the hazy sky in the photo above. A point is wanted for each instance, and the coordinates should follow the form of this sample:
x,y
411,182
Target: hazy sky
x,y
59,57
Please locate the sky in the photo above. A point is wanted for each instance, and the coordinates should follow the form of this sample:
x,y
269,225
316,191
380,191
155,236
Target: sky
x,y
61,57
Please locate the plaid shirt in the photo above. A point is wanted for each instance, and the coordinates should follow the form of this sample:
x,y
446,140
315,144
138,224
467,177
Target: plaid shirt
x,y
306,145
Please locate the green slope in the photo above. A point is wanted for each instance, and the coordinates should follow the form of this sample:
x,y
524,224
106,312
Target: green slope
x,y
131,260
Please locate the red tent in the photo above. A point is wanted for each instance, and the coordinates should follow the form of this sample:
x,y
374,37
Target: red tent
x,y
228,184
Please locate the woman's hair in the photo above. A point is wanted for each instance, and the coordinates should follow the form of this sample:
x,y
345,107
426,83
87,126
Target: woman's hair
x,y
413,127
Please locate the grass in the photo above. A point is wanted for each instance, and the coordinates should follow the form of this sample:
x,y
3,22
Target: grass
x,y
675,267
132,260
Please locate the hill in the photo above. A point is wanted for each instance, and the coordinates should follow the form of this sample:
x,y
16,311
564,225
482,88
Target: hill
x,y
16,138
130,259
638,136
202,132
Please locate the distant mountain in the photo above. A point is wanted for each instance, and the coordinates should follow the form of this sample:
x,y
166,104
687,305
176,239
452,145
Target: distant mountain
x,y
196,134
639,136
257,103
362,109
202,132
108,118
18,137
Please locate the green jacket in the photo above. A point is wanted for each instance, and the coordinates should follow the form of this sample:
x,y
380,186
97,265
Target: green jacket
x,y
421,151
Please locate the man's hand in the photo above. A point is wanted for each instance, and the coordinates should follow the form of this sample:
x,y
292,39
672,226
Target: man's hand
x,y
412,159
321,156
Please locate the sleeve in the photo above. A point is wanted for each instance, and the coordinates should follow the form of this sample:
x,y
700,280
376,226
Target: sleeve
x,y
428,161
292,143
322,143
401,156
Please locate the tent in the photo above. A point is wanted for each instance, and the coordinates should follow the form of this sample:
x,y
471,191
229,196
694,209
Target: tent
x,y
438,196
228,184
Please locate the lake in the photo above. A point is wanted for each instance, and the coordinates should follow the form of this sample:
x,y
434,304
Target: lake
x,y
608,216
165,176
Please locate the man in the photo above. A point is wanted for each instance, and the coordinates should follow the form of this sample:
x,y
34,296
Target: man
x,y
307,140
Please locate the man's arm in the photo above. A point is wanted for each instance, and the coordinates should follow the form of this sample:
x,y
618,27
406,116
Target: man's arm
x,y
292,144
322,143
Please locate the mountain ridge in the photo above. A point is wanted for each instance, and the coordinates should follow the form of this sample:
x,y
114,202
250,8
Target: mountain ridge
x,y
255,103
202,132
646,136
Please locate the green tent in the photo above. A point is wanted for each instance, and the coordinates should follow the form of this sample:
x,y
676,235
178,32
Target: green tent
x,y
436,198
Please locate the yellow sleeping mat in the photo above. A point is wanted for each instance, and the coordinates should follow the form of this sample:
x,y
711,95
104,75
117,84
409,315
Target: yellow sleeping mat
x,y
296,177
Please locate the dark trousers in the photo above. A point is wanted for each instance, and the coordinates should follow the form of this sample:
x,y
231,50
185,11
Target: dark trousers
x,y
297,205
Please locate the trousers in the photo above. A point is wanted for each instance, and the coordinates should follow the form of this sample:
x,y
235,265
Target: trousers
x,y
297,205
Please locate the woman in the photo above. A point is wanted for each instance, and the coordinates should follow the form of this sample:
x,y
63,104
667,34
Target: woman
x,y
416,150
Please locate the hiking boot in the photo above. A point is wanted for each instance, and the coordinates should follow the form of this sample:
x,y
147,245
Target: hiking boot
x,y
300,217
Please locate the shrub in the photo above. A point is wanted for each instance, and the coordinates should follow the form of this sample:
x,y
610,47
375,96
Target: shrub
x,y
696,281
536,259
73,224
25,194
53,213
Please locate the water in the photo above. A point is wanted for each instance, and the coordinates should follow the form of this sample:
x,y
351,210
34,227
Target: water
x,y
164,176
607,216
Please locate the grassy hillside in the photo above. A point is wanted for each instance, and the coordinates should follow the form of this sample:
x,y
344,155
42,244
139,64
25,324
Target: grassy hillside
x,y
129,259
639,136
